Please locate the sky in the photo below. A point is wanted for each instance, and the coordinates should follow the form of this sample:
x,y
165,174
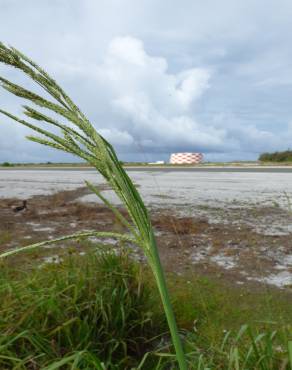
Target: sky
x,y
156,77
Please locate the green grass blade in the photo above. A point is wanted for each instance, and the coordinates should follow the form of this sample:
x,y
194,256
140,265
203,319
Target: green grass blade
x,y
99,234
290,353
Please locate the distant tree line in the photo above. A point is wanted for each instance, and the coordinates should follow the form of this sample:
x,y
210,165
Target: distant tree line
x,y
285,156
7,164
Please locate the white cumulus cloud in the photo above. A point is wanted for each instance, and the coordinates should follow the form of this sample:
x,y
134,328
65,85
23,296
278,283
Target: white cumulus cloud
x,y
154,106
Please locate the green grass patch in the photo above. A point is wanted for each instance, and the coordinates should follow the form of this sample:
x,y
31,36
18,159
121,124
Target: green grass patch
x,y
102,311
217,307
84,310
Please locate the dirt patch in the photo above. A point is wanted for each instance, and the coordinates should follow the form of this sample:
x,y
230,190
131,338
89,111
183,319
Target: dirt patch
x,y
233,251
179,225
50,217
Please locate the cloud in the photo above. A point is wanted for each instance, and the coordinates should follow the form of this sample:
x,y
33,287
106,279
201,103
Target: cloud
x,y
116,137
155,107
209,76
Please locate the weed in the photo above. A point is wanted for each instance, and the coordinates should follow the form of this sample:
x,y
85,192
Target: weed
x,y
96,304
79,137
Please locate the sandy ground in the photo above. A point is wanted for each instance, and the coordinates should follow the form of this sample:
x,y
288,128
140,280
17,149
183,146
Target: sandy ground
x,y
236,226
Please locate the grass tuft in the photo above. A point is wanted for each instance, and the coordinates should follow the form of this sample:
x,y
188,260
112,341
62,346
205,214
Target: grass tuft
x,y
85,309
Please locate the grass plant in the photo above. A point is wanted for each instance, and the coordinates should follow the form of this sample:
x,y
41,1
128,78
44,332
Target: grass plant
x,y
78,136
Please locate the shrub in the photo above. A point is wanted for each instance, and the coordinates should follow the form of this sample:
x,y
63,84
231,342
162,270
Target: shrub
x,y
7,164
285,156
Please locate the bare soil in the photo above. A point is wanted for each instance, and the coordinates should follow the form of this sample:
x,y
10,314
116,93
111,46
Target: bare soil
x,y
234,251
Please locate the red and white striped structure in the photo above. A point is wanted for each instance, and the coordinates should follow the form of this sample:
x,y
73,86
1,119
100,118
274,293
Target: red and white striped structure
x,y
186,158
